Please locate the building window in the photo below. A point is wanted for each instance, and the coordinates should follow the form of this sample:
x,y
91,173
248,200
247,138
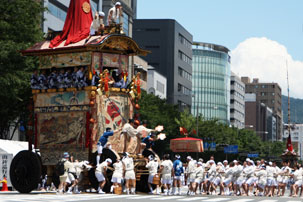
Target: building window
x,y
160,87
94,6
273,94
184,74
184,41
184,57
56,11
125,23
183,90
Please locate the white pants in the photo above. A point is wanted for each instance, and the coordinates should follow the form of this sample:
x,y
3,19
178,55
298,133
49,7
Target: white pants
x,y
99,176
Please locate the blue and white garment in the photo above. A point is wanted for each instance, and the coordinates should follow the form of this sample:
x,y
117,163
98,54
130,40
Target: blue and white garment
x,y
178,167
42,81
52,80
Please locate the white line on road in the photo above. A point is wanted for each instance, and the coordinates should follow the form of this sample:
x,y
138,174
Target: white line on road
x,y
167,197
192,199
268,201
144,197
293,201
217,199
242,200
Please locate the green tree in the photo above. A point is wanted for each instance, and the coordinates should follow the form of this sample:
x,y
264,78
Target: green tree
x,y
157,112
20,27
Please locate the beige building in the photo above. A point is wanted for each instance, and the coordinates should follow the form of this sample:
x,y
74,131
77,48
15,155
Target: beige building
x,y
269,94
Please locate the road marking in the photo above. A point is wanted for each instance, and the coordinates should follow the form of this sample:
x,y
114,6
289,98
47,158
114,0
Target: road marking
x,y
242,200
293,201
217,199
268,201
143,197
167,197
192,199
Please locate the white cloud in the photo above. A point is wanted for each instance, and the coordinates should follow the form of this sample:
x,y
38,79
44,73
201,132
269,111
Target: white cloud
x,y
266,59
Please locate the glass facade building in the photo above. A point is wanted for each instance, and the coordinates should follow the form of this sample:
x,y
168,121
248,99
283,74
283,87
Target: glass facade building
x,y
211,81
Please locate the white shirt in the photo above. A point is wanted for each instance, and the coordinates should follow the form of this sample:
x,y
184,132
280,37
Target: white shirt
x,y
229,173
167,167
96,23
199,171
130,130
191,166
100,167
118,172
128,163
143,131
115,15
152,167
298,175
212,170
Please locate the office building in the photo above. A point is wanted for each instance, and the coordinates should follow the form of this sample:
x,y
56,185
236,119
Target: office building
x,y
156,83
211,81
170,44
237,101
260,118
270,95
57,10
296,134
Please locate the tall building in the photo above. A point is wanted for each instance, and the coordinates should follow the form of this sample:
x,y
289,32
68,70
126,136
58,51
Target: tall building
x,y
156,83
57,10
260,118
211,81
296,133
270,95
237,101
170,44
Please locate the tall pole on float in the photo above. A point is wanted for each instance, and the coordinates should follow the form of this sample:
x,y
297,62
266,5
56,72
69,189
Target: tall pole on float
x,y
288,102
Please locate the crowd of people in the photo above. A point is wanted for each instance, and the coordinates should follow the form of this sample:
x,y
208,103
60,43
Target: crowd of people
x,y
249,178
74,77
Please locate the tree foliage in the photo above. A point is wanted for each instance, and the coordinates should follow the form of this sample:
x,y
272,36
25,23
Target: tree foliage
x,y
158,112
20,27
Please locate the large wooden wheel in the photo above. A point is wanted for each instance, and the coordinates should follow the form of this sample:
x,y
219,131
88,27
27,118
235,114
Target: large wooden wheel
x,y
25,171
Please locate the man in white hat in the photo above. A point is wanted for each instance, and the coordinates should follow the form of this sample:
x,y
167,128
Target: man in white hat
x,y
152,166
249,172
66,165
129,173
167,171
100,174
114,14
97,26
190,172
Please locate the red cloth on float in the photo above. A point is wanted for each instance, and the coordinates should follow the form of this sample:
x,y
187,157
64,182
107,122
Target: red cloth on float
x,y
289,145
76,26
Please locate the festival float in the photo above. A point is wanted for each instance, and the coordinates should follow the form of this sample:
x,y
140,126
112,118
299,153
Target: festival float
x,y
72,119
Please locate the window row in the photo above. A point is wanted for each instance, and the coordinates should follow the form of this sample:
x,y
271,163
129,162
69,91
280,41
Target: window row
x,y
184,41
183,90
56,11
184,73
184,57
160,87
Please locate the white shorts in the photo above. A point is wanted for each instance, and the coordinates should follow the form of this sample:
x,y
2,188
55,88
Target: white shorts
x,y
150,178
178,177
250,181
191,179
227,182
298,182
130,175
240,181
99,176
116,180
270,182
216,181
166,179
285,181
199,180
99,149
71,177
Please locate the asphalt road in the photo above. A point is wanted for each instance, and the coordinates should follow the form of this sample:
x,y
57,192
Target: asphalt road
x,y
93,197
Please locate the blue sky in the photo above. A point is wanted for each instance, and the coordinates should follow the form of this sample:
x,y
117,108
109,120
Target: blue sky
x,y
229,22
